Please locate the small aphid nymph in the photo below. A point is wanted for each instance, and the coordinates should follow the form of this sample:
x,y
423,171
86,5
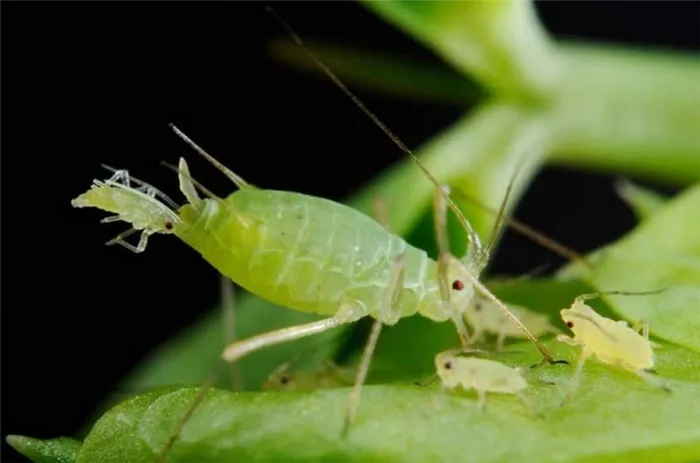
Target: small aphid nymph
x,y
612,342
328,376
485,317
482,375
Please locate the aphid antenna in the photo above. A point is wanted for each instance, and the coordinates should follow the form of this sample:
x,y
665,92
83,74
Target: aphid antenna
x,y
526,230
471,234
584,297
194,404
235,178
501,213
431,379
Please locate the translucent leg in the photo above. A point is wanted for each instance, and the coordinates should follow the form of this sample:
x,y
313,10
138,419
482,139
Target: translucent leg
x,y
390,292
228,307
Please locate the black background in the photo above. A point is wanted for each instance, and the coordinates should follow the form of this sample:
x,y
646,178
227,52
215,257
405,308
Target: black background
x,y
90,83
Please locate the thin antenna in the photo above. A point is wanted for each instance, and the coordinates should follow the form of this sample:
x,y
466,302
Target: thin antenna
x,y
473,237
584,297
536,236
240,183
502,210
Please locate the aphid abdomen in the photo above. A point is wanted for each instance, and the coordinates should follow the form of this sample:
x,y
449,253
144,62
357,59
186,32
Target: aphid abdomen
x,y
305,253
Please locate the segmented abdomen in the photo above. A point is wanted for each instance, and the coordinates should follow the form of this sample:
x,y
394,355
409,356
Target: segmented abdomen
x,y
313,255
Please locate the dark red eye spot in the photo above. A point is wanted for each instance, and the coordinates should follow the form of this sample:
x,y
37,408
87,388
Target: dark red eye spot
x,y
284,379
168,225
457,285
448,365
570,324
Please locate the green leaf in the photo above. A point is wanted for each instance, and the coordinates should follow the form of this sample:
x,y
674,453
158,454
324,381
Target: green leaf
x,y
501,44
59,450
644,202
398,421
663,252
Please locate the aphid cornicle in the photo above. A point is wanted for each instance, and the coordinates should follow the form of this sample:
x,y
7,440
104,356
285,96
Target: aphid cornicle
x,y
482,375
612,342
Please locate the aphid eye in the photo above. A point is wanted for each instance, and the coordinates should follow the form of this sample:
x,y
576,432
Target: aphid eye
x,y
570,324
168,225
284,379
457,285
477,307
448,365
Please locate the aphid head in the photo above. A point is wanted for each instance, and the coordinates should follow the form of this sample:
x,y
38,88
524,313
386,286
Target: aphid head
x,y
460,283
576,313
280,379
445,364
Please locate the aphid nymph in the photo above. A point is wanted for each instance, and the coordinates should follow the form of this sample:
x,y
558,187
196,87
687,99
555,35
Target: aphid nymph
x,y
484,317
612,342
482,375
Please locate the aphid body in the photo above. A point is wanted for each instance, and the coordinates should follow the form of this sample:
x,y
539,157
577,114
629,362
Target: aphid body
x,y
485,317
328,376
482,375
612,342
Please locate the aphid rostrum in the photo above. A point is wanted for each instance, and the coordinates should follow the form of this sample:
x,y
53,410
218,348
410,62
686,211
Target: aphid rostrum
x,y
612,342
482,375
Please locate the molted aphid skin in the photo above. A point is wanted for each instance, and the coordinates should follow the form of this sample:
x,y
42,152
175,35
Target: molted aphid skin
x,y
482,375
612,342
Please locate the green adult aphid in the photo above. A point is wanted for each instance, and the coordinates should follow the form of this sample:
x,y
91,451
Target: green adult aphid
x,y
313,255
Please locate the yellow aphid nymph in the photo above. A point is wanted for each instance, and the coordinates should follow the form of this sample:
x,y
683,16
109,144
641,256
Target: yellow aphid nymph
x,y
612,342
480,374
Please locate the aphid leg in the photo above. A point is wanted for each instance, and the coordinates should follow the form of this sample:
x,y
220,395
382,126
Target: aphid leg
x,y
499,342
440,222
237,350
546,356
235,178
119,239
119,176
585,354
642,327
111,218
392,289
653,381
477,335
228,307
234,352
482,399
526,402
